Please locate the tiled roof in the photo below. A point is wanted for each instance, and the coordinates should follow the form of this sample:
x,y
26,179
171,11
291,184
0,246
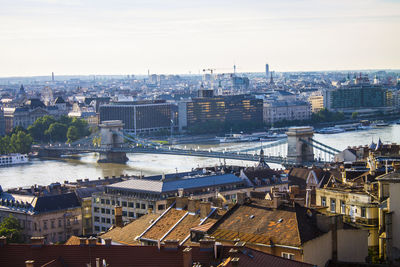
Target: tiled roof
x,y
159,229
173,185
143,256
182,230
127,234
255,223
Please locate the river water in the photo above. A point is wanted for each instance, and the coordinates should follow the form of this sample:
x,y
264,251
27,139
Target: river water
x,y
44,172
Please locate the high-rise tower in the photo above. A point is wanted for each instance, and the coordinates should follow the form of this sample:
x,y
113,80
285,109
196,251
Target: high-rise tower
x,y
52,77
266,70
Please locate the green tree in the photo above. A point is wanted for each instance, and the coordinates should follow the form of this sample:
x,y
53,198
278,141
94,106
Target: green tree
x,y
37,129
72,134
81,126
21,143
57,132
11,229
17,129
354,115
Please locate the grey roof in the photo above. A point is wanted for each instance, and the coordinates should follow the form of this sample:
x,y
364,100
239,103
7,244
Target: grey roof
x,y
160,186
85,192
34,204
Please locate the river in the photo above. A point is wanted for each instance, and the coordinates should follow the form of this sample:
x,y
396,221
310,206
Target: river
x,y
44,172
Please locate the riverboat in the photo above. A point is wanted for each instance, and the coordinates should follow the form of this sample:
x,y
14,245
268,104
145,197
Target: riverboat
x,y
13,159
330,130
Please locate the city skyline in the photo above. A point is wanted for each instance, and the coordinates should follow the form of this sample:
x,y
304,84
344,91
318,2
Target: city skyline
x,y
97,37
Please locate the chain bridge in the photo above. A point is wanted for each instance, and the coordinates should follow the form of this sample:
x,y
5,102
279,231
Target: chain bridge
x,y
113,144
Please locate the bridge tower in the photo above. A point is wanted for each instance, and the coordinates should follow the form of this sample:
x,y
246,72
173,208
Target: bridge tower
x,y
299,151
111,138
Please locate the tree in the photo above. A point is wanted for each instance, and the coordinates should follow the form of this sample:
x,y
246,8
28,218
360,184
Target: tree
x,y
81,126
72,134
57,132
21,143
37,129
11,229
354,115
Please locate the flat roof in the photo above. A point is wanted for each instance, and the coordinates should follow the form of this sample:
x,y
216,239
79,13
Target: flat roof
x,y
161,186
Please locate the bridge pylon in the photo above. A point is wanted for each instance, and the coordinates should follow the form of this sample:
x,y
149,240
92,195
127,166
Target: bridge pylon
x,y
298,151
110,139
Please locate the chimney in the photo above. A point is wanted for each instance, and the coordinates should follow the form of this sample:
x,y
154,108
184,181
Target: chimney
x,y
207,245
171,244
3,241
29,263
187,257
205,209
118,217
193,205
92,241
181,202
107,241
82,241
37,240
241,197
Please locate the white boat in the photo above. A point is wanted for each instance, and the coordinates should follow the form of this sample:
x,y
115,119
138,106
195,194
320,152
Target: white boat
x,y
331,130
13,159
380,124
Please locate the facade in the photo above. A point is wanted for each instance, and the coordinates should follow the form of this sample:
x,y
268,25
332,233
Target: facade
x,y
316,101
361,95
389,216
149,195
140,117
55,217
230,109
286,110
28,113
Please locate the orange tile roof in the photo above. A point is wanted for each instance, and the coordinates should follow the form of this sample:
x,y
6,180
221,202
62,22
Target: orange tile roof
x,y
128,233
256,223
158,230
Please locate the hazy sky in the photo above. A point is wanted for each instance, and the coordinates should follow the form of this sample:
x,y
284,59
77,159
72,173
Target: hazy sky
x,y
171,36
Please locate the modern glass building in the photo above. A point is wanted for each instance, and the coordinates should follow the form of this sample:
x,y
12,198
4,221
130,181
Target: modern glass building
x,y
140,116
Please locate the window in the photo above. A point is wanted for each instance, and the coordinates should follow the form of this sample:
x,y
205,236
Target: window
x,y
108,211
323,201
97,228
161,207
53,224
102,201
124,213
107,202
96,218
131,214
130,204
108,220
333,205
342,207
103,220
113,202
289,256
124,204
143,206
363,212
96,209
138,205
44,225
151,207
103,210
103,229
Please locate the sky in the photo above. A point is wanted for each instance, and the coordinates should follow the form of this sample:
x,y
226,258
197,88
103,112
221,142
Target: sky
x,y
71,37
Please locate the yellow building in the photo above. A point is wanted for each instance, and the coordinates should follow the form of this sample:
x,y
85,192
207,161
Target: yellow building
x,y
358,205
317,102
389,216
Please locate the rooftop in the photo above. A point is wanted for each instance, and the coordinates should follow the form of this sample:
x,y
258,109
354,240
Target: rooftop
x,y
162,186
